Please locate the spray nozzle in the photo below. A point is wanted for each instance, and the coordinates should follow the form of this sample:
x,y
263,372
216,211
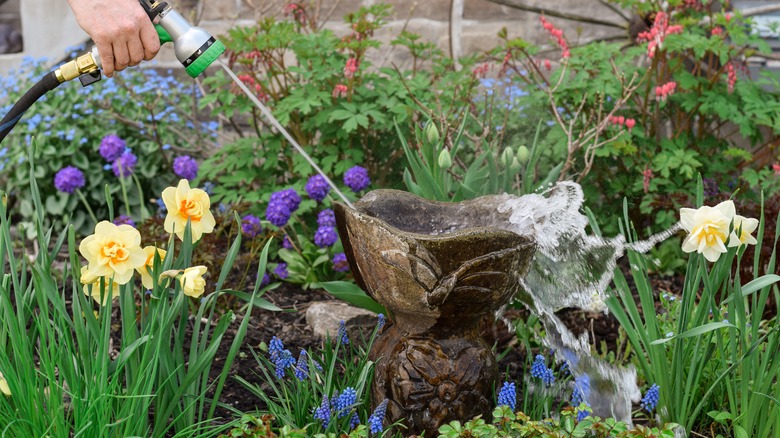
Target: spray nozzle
x,y
195,48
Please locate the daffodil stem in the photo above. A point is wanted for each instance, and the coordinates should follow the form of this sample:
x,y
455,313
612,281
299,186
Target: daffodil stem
x,y
86,204
144,212
124,196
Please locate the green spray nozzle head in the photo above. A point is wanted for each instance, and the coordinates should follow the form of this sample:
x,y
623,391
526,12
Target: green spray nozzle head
x,y
212,50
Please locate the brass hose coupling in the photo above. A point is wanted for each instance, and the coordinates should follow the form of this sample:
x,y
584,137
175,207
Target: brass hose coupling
x,y
82,65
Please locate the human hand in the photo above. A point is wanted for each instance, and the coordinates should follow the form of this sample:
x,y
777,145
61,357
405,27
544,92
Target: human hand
x,y
122,31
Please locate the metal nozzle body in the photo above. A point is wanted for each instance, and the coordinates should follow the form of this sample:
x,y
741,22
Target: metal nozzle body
x,y
187,39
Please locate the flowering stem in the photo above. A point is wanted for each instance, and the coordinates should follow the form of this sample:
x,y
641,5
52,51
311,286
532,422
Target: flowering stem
x,y
124,193
144,212
86,204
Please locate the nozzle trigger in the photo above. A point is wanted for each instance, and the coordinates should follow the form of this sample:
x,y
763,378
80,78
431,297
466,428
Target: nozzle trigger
x,y
165,37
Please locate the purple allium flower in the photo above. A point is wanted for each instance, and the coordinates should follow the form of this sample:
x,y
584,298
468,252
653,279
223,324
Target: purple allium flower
x,y
185,167
286,243
343,332
302,367
507,396
326,218
317,188
539,370
69,179
357,179
650,400
340,263
345,401
125,164
277,212
281,270
289,198
377,418
124,220
322,413
325,237
250,226
111,147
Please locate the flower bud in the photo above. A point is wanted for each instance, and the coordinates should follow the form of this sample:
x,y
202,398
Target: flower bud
x,y
515,166
445,160
507,156
523,154
432,133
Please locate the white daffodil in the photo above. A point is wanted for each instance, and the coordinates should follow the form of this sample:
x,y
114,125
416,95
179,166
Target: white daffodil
x,y
708,229
745,227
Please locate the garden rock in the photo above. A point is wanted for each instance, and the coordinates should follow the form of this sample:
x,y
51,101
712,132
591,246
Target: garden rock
x,y
324,318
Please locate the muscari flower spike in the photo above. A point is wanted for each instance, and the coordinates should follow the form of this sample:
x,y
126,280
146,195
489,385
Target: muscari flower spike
x,y
345,401
507,396
343,332
581,390
650,400
322,413
380,321
302,367
377,418
539,370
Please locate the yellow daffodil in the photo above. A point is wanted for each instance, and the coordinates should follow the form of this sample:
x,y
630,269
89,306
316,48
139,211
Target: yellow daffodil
x,y
114,251
746,226
192,282
4,386
184,203
87,279
708,229
146,269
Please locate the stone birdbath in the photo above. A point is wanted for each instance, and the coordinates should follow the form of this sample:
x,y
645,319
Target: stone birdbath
x,y
440,269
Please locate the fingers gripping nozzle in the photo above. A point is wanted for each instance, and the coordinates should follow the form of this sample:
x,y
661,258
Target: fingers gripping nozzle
x,y
194,47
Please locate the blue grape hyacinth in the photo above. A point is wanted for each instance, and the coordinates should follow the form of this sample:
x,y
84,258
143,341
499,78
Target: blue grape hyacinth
x,y
540,371
581,390
377,418
281,358
302,367
650,400
343,332
345,401
507,396
322,413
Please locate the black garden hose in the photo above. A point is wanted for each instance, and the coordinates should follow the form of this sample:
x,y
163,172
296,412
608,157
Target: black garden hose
x,y
47,83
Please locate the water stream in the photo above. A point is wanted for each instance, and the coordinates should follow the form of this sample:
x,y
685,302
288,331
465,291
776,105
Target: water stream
x,y
571,269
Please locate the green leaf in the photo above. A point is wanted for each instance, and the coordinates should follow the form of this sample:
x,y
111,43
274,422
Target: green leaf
x,y
696,331
760,283
351,293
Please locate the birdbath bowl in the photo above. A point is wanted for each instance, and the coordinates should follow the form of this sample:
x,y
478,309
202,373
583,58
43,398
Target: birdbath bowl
x,y
440,269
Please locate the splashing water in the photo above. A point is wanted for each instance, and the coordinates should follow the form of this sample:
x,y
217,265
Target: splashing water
x,y
573,269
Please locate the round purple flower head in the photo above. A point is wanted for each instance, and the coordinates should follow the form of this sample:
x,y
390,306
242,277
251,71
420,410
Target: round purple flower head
x,y
281,271
124,220
289,197
326,218
250,226
325,236
111,147
185,167
266,280
286,243
69,179
125,164
317,188
357,179
340,263
277,212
